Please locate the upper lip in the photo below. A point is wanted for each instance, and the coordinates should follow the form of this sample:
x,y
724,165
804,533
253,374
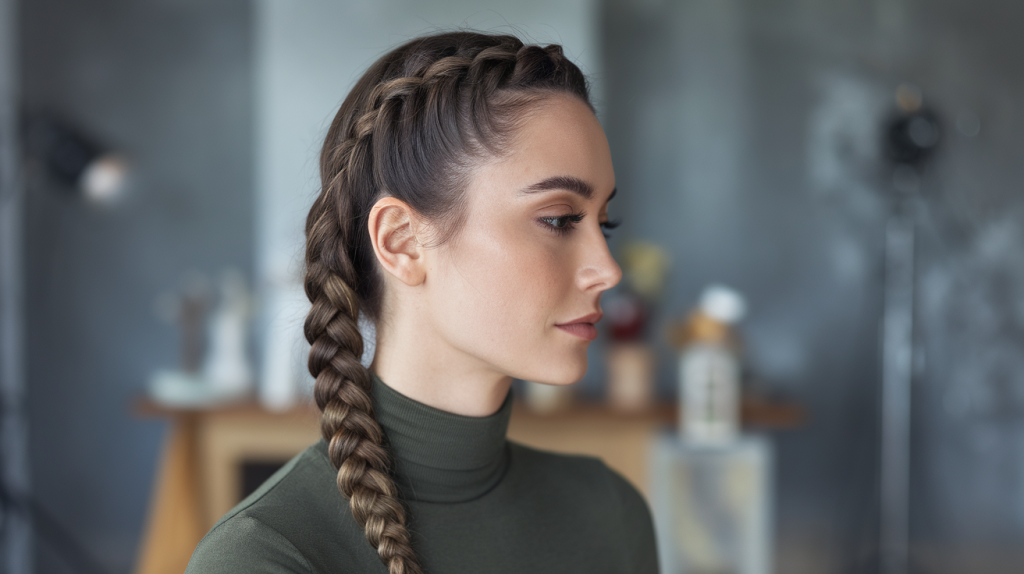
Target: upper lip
x,y
591,318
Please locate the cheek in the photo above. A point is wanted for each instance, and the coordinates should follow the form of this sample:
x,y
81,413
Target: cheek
x,y
502,293
504,280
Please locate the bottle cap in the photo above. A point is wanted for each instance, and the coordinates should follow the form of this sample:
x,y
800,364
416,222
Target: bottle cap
x,y
723,304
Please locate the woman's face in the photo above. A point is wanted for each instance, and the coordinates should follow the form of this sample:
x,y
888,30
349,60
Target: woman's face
x,y
517,289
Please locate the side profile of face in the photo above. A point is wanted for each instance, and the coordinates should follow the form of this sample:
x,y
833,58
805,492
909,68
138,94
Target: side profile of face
x,y
517,289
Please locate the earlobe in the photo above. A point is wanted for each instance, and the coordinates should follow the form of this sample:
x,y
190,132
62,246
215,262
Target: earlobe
x,y
393,227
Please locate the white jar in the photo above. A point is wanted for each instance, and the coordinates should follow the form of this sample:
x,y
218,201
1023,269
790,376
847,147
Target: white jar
x,y
709,373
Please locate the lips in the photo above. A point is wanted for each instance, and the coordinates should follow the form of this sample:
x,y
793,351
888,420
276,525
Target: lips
x,y
582,327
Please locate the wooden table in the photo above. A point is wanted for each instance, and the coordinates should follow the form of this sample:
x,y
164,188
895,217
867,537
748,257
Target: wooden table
x,y
198,479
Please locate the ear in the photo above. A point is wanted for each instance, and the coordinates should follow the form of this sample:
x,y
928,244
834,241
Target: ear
x,y
394,228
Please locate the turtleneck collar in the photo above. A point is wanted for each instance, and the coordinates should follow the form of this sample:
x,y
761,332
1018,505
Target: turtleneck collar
x,y
440,456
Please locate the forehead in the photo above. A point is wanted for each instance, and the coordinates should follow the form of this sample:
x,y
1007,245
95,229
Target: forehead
x,y
561,137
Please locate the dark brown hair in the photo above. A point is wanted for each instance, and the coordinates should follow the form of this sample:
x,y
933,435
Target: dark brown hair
x,y
412,128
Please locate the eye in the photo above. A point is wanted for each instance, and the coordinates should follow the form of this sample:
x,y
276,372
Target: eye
x,y
610,225
563,223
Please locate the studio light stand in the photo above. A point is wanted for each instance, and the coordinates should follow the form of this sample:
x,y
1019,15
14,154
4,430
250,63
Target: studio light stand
x,y
911,137
94,173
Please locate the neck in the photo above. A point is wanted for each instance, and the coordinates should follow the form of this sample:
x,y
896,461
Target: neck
x,y
426,369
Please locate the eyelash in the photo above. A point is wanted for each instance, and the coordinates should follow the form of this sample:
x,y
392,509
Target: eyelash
x,y
610,225
572,219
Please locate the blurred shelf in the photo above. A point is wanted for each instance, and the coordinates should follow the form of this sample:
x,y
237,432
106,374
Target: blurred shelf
x,y
623,439
756,413
199,478
147,407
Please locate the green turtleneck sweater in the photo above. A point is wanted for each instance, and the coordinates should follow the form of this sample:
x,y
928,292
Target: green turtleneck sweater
x,y
477,503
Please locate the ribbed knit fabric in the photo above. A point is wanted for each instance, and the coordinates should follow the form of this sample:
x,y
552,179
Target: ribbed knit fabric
x,y
440,456
477,504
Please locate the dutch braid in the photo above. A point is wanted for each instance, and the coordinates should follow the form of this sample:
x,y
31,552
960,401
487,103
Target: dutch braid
x,y
411,128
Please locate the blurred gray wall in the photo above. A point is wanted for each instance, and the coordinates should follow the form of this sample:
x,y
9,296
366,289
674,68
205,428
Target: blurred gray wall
x,y
167,82
15,484
746,139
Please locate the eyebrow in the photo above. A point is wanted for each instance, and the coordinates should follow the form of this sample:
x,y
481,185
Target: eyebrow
x,y
568,183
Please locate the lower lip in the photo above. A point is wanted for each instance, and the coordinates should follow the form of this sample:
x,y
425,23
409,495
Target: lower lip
x,y
582,330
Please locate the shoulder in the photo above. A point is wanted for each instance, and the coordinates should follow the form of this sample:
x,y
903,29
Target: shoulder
x,y
281,526
244,544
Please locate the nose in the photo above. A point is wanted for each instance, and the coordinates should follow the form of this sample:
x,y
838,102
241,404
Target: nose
x,y
599,271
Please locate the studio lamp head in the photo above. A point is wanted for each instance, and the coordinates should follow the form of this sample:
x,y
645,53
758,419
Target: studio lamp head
x,y
75,160
912,135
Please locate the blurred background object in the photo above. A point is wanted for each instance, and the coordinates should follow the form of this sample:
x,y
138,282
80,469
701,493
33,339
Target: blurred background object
x,y
712,504
74,160
712,494
630,357
710,368
911,139
758,145
214,367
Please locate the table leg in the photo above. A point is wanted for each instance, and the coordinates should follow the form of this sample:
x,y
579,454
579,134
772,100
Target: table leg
x,y
174,524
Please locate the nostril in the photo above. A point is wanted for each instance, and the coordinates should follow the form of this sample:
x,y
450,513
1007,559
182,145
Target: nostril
x,y
616,275
604,276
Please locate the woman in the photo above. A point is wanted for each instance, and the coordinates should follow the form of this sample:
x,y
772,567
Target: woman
x,y
465,185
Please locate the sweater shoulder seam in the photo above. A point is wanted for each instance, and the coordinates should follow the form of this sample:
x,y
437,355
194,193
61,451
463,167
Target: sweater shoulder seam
x,y
241,515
